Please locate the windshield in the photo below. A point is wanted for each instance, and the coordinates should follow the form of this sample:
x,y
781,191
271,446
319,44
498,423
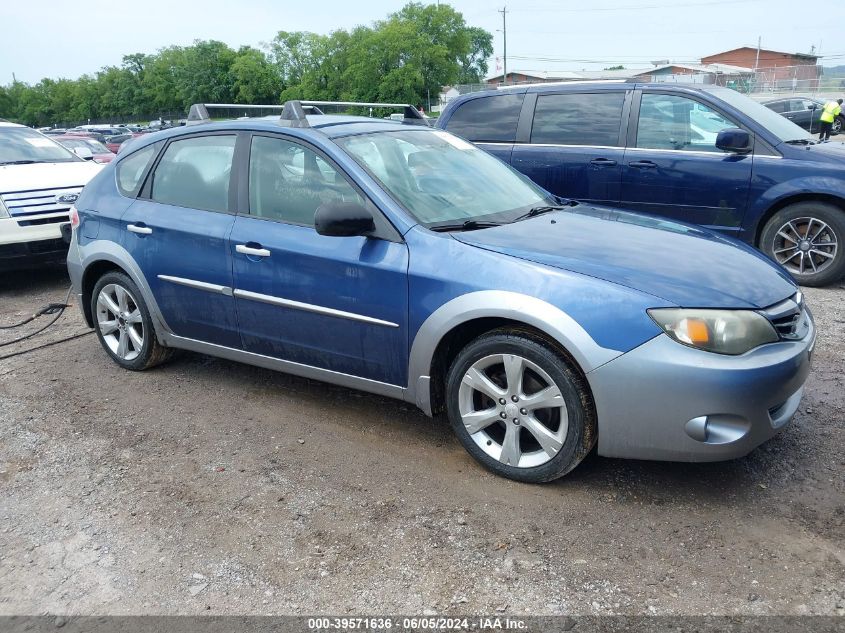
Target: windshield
x,y
441,179
95,146
23,145
778,125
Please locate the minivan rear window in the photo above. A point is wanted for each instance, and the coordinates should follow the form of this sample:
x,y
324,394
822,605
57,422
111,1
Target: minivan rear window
x,y
491,119
578,119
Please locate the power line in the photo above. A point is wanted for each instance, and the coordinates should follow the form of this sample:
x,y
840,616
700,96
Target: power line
x,y
640,7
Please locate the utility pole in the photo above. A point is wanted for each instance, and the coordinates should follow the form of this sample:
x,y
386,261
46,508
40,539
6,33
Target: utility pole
x,y
757,61
504,13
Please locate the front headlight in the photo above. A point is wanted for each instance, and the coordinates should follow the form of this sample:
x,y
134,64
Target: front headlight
x,y
720,331
4,212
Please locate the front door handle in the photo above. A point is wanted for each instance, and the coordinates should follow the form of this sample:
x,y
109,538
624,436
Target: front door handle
x,y
603,162
255,251
642,164
140,229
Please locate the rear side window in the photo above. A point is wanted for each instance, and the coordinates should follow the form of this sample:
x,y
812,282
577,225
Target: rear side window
x,y
578,119
777,106
490,119
195,173
131,169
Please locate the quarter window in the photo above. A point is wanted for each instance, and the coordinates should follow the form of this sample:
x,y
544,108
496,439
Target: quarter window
x,y
678,123
195,173
288,182
491,119
131,169
578,119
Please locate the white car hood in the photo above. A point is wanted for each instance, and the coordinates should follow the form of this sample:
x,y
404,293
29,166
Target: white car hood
x,y
46,175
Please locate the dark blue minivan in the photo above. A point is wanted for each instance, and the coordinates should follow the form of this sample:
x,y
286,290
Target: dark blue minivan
x,y
704,155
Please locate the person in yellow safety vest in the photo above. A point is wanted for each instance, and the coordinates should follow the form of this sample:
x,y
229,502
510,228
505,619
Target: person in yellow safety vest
x,y
831,110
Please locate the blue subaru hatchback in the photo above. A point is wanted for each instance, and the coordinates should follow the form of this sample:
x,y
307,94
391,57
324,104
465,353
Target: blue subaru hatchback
x,y
401,260
699,154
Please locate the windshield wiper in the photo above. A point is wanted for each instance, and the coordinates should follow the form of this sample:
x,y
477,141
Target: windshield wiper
x,y
801,141
468,225
21,162
546,208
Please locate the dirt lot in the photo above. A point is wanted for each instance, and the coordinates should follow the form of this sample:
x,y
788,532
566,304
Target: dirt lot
x,y
206,486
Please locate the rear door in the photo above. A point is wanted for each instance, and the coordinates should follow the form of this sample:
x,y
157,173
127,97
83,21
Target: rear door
x,y
572,143
176,231
337,303
673,167
489,121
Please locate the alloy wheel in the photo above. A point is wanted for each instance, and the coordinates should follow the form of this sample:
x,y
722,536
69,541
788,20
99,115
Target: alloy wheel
x,y
513,410
805,245
120,322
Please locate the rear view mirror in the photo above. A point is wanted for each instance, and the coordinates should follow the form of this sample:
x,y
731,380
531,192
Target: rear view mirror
x,y
734,140
343,219
83,152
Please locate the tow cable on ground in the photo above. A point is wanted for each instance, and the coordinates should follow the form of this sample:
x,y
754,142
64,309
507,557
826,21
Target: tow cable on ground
x,y
56,309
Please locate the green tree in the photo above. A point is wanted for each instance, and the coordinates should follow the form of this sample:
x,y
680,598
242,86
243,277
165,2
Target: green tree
x,y
253,78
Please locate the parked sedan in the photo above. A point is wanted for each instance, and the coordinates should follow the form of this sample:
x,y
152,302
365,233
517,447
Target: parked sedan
x,y
402,260
99,153
114,142
804,112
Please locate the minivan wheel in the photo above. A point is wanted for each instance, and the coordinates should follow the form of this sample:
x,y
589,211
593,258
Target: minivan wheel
x,y
807,238
837,126
519,407
123,323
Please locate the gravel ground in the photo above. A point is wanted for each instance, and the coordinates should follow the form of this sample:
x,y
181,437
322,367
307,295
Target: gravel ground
x,y
206,486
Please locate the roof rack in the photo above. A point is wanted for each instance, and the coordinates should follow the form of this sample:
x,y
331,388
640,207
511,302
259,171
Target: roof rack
x,y
294,113
199,111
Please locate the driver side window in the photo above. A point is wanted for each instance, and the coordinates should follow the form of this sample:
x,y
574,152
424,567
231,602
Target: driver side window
x,y
288,181
678,123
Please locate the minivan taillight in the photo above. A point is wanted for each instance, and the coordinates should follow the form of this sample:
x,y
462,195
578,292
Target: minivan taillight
x,y
74,217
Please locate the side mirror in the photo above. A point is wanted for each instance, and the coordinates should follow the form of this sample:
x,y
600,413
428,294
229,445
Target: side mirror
x,y
734,140
343,219
84,152
812,107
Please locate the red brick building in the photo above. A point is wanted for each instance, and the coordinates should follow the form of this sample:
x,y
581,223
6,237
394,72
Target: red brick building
x,y
775,67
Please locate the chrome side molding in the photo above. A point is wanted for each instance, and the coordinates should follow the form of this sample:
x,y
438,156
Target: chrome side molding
x,y
310,307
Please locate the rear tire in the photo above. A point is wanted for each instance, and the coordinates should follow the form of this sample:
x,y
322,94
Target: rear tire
x,y
808,239
123,323
519,406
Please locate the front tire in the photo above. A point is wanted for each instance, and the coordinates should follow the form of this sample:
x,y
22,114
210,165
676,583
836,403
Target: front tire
x,y
123,323
520,407
808,239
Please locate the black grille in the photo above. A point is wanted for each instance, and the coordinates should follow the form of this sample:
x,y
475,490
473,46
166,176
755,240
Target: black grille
x,y
39,221
789,318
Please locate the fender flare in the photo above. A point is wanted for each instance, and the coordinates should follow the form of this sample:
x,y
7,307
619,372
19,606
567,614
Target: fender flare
x,y
499,304
104,250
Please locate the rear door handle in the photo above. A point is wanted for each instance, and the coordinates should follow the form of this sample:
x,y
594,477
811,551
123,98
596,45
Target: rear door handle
x,y
140,229
603,162
642,164
255,251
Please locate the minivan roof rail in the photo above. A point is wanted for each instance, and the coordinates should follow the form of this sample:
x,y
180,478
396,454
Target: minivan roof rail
x,y
573,82
294,113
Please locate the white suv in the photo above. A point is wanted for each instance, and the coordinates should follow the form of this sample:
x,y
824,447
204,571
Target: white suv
x,y
39,181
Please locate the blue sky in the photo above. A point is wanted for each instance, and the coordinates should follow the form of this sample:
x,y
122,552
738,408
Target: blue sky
x,y
55,38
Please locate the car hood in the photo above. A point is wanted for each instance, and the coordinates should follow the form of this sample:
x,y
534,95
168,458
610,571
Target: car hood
x,y
682,264
46,175
833,150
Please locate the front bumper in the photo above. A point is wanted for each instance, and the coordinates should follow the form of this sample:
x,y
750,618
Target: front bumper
x,y
666,401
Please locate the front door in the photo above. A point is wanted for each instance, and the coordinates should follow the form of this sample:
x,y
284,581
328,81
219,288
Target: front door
x,y
576,145
674,169
176,231
337,303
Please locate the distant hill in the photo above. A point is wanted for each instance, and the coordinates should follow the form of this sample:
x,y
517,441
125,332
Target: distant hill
x,y
834,71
